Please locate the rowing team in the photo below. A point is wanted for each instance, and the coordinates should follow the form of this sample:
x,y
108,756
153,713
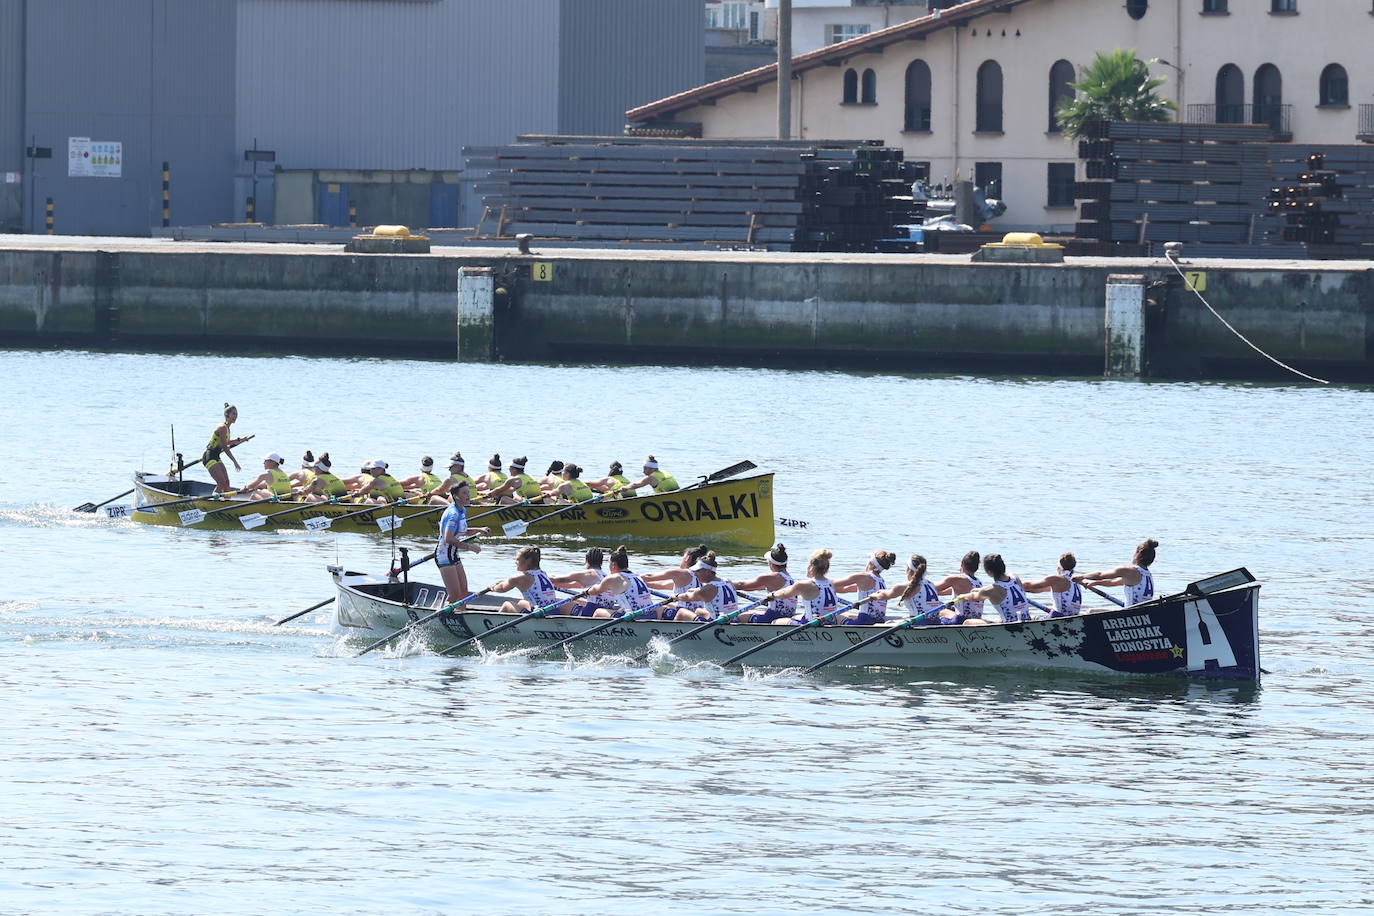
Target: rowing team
x,y
701,593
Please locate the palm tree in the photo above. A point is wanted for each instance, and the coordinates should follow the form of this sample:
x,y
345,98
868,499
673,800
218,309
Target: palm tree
x,y
1116,86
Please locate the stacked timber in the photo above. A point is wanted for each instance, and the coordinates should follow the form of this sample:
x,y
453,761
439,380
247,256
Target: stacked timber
x,y
775,195
1164,182
1325,197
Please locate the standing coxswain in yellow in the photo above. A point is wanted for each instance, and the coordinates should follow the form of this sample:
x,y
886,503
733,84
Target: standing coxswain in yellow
x,y
614,480
221,444
382,488
660,481
324,485
492,479
272,481
518,486
573,489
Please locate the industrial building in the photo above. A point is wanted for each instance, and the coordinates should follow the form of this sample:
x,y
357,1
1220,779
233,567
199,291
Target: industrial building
x,y
361,107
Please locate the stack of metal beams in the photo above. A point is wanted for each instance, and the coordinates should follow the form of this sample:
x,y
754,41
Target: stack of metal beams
x,y
1325,195
775,195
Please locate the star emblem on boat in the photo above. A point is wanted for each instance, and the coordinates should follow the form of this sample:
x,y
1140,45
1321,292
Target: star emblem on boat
x,y
1177,650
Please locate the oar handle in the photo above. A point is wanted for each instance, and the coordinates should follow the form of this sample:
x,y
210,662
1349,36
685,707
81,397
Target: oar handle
x,y
423,620
1097,591
632,615
530,615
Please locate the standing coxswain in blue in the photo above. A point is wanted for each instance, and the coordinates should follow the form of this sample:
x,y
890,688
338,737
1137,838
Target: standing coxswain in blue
x,y
917,596
629,592
453,525
815,594
776,579
1067,594
964,582
713,597
536,588
1136,578
866,583
1004,593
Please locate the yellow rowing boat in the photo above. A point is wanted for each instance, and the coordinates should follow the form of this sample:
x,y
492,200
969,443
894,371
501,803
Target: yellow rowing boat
x,y
739,512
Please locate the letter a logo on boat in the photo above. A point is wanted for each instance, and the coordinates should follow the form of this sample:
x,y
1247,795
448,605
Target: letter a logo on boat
x,y
1210,646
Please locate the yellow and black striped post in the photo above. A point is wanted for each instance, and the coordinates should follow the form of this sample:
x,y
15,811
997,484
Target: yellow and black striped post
x,y
166,194
47,206
250,210
352,214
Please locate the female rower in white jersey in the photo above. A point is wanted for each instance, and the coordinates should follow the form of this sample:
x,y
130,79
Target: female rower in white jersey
x,y
917,596
776,579
1067,594
453,528
584,579
964,582
1004,593
815,594
1137,579
714,596
629,592
680,579
536,588
866,583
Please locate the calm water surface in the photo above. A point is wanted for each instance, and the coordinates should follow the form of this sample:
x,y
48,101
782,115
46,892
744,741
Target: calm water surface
x,y
165,749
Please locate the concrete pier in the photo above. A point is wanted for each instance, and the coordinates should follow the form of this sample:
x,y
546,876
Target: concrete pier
x,y
903,312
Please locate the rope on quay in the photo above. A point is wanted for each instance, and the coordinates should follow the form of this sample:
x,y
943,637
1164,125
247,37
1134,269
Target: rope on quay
x,y
1171,257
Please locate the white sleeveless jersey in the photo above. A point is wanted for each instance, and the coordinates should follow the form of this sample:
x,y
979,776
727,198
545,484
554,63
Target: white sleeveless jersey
x,y
1143,591
725,600
922,601
970,609
688,605
823,603
606,601
876,608
1013,608
541,592
1068,603
636,595
784,607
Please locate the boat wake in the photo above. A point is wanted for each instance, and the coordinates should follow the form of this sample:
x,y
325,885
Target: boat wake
x,y
47,515
15,607
144,629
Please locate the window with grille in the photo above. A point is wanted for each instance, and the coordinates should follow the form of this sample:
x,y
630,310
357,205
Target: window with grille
x,y
1060,193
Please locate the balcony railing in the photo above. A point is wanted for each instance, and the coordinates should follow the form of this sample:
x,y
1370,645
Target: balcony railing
x,y
1365,134
1276,116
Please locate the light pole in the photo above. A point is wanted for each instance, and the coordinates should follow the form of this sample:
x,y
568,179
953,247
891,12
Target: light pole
x,y
1179,91
784,69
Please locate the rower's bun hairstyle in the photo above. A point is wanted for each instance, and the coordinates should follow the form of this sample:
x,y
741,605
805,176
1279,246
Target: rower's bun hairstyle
x,y
495,463
1145,553
697,552
778,555
426,462
617,468
520,463
530,553
820,562
324,459
457,459
970,561
229,408
709,558
308,457
885,558
554,467
1067,562
916,571
594,557
574,471
994,564
621,557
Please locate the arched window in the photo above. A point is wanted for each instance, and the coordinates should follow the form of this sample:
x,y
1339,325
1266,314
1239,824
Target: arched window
x,y
917,96
988,113
869,93
1335,86
1061,90
1230,95
851,86
1268,97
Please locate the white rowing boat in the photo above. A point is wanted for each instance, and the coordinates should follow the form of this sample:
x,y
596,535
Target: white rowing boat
x,y
1209,630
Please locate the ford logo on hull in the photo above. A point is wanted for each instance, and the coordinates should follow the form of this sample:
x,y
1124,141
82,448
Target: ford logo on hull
x,y
612,512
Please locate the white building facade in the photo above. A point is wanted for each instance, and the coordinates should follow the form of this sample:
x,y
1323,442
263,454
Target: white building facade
x,y
971,89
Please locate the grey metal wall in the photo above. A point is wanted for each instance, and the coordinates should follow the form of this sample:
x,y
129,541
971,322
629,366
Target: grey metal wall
x,y
617,54
12,139
156,75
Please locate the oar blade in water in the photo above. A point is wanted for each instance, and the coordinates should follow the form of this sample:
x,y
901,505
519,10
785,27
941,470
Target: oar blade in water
x,y
253,520
319,523
514,529
191,516
388,522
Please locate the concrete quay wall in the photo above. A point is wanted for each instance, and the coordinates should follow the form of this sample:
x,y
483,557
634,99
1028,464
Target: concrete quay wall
x,y
905,313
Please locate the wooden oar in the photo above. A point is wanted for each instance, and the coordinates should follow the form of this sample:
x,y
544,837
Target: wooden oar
x,y
1097,591
722,474
887,631
530,615
791,631
422,621
516,528
196,516
632,615
312,607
